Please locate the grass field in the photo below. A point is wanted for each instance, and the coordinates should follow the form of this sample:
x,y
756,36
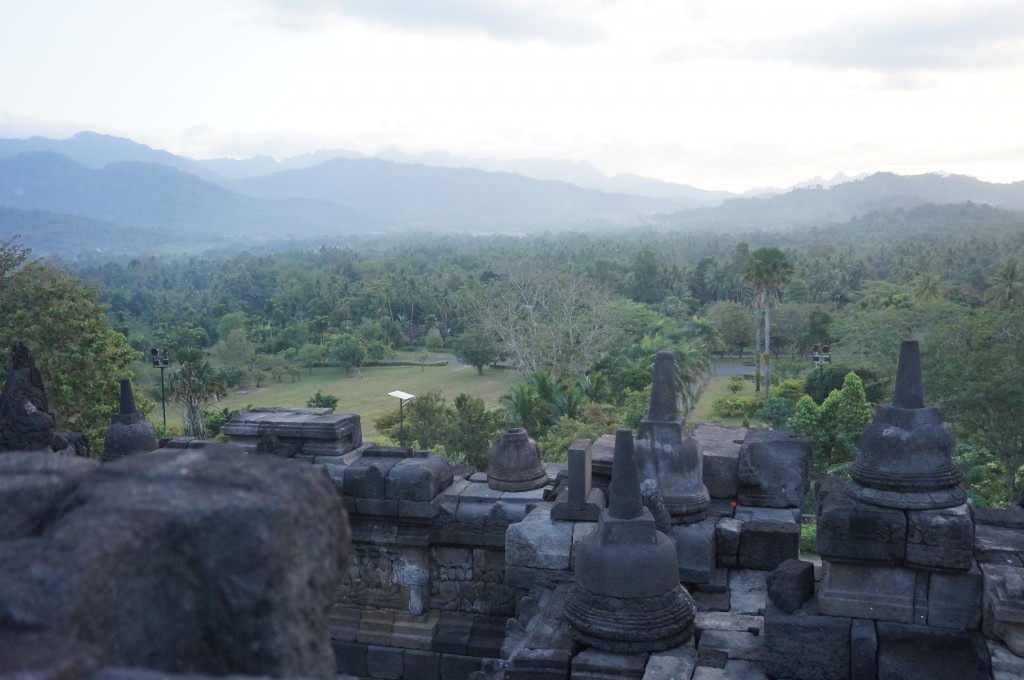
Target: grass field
x,y
368,395
716,388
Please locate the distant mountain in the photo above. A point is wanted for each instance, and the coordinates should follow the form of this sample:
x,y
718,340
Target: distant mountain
x,y
579,173
48,233
152,196
259,166
817,206
409,195
96,151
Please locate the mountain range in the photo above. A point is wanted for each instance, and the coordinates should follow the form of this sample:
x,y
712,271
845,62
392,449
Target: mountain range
x,y
96,192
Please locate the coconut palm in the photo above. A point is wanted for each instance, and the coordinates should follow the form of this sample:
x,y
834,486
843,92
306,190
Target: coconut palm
x,y
927,288
767,271
1007,289
194,386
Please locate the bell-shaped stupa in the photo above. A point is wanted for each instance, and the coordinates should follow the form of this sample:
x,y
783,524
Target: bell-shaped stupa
x,y
626,597
513,462
906,453
129,431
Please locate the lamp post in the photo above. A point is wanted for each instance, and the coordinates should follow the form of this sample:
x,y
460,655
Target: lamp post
x,y
402,397
161,359
821,357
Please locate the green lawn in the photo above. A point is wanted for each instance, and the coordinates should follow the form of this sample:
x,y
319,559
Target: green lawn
x,y
716,388
368,395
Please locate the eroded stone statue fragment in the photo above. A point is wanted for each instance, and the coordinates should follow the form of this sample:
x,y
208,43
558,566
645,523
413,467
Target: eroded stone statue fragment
x,y
665,455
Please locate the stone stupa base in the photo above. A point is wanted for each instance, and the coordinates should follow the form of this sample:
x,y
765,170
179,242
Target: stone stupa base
x,y
630,625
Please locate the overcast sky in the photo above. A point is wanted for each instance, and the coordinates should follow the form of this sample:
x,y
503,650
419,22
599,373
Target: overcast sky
x,y
721,94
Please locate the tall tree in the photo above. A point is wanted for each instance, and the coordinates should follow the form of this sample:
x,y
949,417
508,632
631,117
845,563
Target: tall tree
x,y
767,271
1006,290
194,385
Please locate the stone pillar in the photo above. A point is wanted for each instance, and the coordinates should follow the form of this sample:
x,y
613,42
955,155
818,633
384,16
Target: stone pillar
x,y
666,455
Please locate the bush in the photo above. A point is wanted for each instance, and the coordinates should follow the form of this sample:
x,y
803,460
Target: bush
x,y
320,400
736,407
808,538
777,412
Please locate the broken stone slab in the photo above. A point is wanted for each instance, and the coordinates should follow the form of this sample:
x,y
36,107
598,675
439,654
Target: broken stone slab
x,y
791,584
695,550
774,469
997,544
748,591
747,513
1005,664
727,541
863,650
723,621
418,479
733,670
867,591
805,645
731,645
1003,605
594,664
316,431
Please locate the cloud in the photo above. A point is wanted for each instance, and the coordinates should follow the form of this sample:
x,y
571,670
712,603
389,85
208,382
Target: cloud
x,y
971,35
566,22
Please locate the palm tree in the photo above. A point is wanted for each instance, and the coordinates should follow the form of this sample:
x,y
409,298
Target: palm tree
x,y
767,270
194,386
927,288
1007,289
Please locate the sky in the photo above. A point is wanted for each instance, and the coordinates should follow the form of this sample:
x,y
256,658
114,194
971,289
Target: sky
x,y
719,94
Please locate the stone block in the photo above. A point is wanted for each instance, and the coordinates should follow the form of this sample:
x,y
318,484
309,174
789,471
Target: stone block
x,y
711,602
458,666
421,665
39,655
414,631
417,509
594,664
718,582
695,548
453,632
998,545
720,507
350,657
733,670
539,664
384,662
906,651
486,636
1011,518
1003,605
674,664
727,541
705,621
343,622
850,530
954,600
375,628
376,506
863,650
580,530
766,545
418,479
749,513
31,484
774,469
748,591
806,646
867,592
721,473
367,477
730,644
538,541
791,584
940,539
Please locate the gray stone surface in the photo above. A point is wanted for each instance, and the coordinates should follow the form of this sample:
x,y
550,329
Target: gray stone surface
x,y
940,539
924,652
954,600
188,560
774,469
727,541
748,591
593,664
1004,661
418,479
538,541
32,485
720,446
734,670
766,545
851,530
805,645
863,650
998,545
37,655
730,644
1003,605
695,550
791,584
673,664
867,592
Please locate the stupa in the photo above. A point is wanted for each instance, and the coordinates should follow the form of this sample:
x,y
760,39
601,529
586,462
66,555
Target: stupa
x,y
626,596
513,462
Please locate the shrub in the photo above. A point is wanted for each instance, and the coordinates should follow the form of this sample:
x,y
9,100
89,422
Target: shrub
x,y
736,407
808,538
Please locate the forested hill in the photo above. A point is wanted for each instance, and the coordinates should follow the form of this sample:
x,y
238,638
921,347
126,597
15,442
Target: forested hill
x,y
410,195
815,206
